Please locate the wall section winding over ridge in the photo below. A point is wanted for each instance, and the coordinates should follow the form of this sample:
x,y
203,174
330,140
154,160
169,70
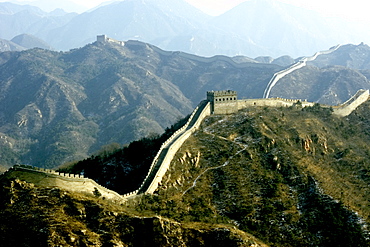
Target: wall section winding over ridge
x,y
301,63
350,105
170,147
162,161
78,183
70,182
164,156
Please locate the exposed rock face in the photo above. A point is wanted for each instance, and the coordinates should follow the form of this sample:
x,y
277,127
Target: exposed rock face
x,y
277,169
287,176
60,107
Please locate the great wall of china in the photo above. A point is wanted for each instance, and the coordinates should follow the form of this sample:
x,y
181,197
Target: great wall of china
x,y
225,100
133,43
70,182
300,64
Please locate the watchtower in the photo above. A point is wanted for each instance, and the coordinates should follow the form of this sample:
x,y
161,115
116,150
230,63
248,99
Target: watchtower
x,y
101,38
223,102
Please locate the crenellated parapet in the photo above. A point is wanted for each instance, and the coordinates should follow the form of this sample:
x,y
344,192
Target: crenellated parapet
x,y
218,102
71,182
223,102
169,148
226,102
104,38
39,169
272,102
350,105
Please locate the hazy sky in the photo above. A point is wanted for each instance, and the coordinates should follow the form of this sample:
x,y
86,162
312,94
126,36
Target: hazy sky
x,y
354,9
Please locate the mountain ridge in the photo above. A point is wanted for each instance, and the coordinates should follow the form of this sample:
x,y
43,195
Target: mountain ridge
x,y
180,26
108,93
281,175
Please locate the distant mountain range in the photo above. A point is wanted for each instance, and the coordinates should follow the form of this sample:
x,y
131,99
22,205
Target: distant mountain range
x,y
254,28
56,107
329,79
23,42
61,106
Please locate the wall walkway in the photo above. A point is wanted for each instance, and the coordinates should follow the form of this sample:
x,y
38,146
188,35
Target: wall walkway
x,y
350,105
159,166
301,63
168,150
163,158
272,102
70,182
162,161
196,58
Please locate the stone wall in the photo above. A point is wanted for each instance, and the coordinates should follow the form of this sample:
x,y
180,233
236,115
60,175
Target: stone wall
x,y
163,149
162,161
271,102
223,102
104,38
301,63
196,58
342,110
173,147
350,105
70,182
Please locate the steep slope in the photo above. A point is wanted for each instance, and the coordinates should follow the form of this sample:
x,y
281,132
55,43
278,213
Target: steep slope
x,y
351,56
57,107
39,216
6,45
62,106
18,19
29,41
289,176
286,176
330,78
156,22
330,85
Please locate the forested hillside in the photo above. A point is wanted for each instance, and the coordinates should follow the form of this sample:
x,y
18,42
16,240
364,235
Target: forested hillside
x,y
57,107
276,176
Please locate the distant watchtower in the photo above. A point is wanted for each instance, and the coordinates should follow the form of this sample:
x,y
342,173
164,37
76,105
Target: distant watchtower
x,y
223,102
101,38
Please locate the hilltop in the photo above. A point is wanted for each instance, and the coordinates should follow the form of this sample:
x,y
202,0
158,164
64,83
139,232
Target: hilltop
x,y
288,176
59,107
253,28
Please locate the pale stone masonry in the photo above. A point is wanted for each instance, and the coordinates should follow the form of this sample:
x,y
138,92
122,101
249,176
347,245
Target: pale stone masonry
x,y
104,38
223,102
218,102
70,182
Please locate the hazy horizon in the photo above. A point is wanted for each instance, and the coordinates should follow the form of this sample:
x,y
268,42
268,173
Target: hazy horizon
x,y
355,10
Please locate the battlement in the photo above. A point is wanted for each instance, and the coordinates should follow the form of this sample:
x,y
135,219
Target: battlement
x,y
226,102
72,182
225,93
103,38
218,102
223,102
